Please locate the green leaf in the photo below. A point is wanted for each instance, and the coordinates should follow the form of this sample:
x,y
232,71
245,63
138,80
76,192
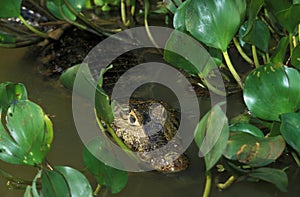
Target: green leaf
x,y
10,8
274,176
213,22
115,180
211,136
286,13
103,107
290,130
67,78
272,90
26,134
280,53
6,38
54,184
53,7
77,182
252,150
259,35
189,55
295,59
246,128
10,93
253,10
180,15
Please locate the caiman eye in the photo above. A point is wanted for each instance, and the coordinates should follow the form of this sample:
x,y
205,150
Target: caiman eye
x,y
132,119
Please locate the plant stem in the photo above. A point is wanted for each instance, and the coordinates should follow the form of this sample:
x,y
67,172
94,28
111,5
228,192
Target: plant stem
x,y
296,158
240,50
74,22
13,179
227,183
207,184
264,59
299,32
231,69
146,7
31,28
254,54
291,44
211,87
123,14
97,190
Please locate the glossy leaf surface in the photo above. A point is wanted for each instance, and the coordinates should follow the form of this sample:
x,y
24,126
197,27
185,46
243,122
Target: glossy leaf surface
x,y
246,128
252,150
10,8
290,130
211,136
268,82
54,7
115,180
26,134
274,176
213,22
259,35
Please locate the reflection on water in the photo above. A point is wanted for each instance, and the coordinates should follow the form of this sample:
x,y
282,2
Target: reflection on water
x,y
67,147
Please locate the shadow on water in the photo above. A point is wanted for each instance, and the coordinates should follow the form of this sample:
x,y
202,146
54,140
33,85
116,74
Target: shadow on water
x,y
67,147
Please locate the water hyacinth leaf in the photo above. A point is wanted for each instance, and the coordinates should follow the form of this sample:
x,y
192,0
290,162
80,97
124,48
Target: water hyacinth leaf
x,y
67,78
213,22
189,50
180,15
10,93
271,175
289,18
253,10
290,130
211,136
279,55
259,35
78,184
10,8
54,6
286,13
271,81
295,59
115,180
54,184
246,128
252,150
26,134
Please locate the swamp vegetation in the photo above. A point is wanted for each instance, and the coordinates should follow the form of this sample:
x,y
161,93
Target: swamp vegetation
x,y
248,147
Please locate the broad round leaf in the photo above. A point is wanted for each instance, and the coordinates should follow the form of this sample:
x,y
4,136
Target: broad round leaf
x,y
77,183
53,7
54,184
295,59
271,175
272,90
290,130
10,8
252,150
259,35
213,22
246,128
26,134
286,12
211,136
115,180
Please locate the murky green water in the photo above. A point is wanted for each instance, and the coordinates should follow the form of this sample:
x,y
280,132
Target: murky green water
x,y
67,146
